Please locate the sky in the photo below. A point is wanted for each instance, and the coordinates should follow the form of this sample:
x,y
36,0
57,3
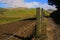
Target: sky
x,y
41,1
26,3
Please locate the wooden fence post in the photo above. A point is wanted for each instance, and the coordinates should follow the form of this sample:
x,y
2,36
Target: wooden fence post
x,y
40,28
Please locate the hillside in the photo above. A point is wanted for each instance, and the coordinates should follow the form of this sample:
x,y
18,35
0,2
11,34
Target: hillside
x,y
14,14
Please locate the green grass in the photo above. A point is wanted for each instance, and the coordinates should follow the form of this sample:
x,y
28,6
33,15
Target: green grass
x,y
12,15
8,20
20,12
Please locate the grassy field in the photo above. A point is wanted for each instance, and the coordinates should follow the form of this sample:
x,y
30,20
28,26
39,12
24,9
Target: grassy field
x,y
15,14
19,13
8,20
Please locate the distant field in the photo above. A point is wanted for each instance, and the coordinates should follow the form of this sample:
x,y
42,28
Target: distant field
x,y
19,13
12,15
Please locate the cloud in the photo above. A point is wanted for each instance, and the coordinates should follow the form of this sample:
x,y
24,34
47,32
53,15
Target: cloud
x,y
21,3
37,4
13,3
46,6
31,4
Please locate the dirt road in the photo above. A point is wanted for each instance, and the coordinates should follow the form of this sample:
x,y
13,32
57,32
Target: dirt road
x,y
53,30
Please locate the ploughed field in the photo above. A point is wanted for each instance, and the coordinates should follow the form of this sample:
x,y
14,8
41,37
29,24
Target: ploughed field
x,y
22,29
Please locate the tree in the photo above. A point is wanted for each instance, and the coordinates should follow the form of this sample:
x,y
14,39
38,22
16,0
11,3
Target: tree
x,y
54,2
56,14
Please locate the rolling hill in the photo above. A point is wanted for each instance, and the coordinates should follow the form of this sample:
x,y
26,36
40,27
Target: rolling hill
x,y
8,15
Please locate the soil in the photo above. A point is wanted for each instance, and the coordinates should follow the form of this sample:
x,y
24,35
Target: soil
x,y
16,30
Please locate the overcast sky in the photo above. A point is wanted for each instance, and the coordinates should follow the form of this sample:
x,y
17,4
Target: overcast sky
x,y
26,3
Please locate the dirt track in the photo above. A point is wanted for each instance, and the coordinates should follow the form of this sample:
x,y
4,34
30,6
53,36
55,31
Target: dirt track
x,y
20,28
53,30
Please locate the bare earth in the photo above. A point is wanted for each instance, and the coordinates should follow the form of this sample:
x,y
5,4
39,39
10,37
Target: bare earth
x,y
20,28
53,30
